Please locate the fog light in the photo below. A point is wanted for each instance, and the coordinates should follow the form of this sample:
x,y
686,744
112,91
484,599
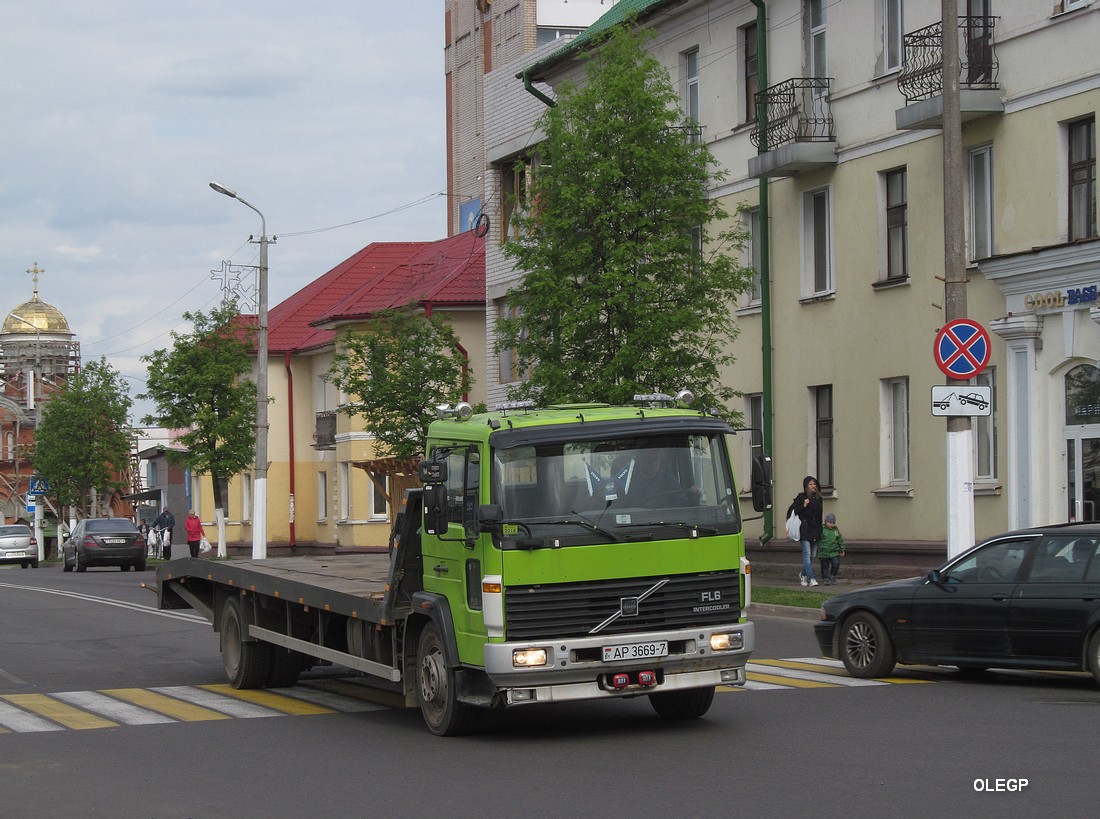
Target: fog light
x,y
528,657
727,642
647,678
620,680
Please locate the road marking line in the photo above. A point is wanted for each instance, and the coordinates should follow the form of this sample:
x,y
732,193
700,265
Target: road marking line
x,y
808,676
60,712
170,706
216,702
111,708
21,722
337,702
790,682
287,705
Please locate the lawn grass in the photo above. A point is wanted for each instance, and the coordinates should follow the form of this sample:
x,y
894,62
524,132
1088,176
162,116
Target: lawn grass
x,y
788,597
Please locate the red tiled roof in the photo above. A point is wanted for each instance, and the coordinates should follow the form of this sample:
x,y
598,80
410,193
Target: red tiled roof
x,y
383,275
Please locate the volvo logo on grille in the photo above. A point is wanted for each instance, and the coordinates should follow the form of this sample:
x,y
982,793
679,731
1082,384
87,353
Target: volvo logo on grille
x,y
629,606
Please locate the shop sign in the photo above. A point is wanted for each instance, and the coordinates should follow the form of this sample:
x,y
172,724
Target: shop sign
x,y
1071,297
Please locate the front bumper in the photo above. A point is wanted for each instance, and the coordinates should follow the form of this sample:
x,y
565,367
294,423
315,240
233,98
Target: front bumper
x,y
825,632
574,670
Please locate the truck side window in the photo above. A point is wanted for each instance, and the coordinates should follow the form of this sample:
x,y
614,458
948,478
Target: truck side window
x,y
463,485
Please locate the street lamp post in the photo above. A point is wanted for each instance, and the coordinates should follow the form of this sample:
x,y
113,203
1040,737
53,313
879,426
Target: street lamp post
x,y
35,404
259,490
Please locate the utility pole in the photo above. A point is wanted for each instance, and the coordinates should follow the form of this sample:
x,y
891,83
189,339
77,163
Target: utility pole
x,y
960,457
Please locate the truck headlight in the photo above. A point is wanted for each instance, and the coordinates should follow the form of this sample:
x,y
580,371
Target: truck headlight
x,y
727,641
528,657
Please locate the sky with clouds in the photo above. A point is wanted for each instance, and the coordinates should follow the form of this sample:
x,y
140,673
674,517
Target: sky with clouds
x,y
327,116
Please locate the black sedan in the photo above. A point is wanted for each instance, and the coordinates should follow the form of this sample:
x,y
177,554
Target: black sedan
x,y
104,542
1025,599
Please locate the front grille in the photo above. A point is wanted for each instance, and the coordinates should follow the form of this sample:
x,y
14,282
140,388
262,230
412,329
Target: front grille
x,y
564,610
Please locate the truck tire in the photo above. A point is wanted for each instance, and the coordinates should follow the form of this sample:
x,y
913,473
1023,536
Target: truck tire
x,y
444,715
247,663
286,666
689,703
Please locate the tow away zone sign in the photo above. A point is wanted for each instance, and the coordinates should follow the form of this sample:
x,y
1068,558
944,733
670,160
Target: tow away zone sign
x,y
961,400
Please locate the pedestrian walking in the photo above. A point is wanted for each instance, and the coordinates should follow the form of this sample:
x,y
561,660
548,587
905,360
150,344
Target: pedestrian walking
x,y
195,533
807,505
830,550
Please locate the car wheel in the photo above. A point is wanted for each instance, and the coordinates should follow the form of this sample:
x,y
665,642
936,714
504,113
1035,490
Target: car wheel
x,y
66,565
1092,657
139,566
34,564
22,565
247,662
690,703
865,646
80,564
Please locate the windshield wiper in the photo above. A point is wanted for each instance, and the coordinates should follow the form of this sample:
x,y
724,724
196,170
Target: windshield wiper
x,y
706,530
587,524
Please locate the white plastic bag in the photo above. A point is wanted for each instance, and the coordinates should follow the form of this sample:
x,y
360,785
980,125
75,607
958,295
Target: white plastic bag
x,y
204,545
794,527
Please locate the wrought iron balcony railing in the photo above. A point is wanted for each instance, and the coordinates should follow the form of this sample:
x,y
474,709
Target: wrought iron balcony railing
x,y
921,74
796,110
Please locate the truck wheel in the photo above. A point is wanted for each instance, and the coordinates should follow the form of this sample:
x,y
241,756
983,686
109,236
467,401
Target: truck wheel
x,y
246,662
689,703
444,715
286,665
865,646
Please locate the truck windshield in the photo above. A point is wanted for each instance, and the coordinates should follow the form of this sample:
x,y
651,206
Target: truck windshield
x,y
638,488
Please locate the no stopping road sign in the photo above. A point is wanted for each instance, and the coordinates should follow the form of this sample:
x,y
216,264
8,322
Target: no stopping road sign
x,y
962,348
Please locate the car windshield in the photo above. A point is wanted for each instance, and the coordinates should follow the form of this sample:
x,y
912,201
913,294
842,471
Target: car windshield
x,y
112,525
14,531
597,491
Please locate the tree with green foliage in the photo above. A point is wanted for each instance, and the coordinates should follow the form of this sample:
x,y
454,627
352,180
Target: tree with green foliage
x,y
200,385
83,442
625,287
397,370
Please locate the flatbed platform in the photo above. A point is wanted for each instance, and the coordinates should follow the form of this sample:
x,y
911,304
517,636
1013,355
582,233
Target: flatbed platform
x,y
355,585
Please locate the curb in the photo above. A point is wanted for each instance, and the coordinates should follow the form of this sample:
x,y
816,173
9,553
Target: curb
x,y
794,612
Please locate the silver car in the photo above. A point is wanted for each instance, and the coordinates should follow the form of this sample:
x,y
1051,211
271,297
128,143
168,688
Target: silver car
x,y
18,545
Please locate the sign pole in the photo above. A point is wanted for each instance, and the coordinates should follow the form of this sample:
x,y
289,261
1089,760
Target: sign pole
x,y
960,457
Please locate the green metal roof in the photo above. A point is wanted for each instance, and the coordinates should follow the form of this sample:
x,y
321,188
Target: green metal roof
x,y
617,14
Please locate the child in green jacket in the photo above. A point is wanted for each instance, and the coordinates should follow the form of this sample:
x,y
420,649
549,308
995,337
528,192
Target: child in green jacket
x,y
830,550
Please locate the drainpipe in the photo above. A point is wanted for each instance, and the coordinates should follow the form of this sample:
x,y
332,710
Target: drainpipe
x,y
765,258
290,435
530,87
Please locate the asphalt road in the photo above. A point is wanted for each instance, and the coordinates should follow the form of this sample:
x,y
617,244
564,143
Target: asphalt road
x,y
802,740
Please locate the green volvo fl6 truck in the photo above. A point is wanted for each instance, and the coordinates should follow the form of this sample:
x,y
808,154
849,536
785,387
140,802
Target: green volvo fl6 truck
x,y
561,553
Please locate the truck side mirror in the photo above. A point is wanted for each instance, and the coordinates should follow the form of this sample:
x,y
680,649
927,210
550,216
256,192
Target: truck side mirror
x,y
761,483
432,472
435,509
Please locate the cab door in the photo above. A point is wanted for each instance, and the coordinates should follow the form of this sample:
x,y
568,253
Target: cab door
x,y
451,564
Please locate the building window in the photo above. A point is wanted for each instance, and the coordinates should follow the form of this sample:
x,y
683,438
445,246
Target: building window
x,y
752,259
754,446
344,471
897,225
817,243
379,506
985,432
508,369
981,202
322,496
546,34
751,70
246,497
1082,179
689,60
895,431
823,434
893,49
816,40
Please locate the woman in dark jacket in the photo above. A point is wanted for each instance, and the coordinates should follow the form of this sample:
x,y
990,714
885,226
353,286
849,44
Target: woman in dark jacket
x,y
807,505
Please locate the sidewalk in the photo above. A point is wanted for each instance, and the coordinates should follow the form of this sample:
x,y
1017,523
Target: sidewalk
x,y
772,575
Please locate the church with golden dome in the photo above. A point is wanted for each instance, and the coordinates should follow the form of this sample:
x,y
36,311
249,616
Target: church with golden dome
x,y
38,352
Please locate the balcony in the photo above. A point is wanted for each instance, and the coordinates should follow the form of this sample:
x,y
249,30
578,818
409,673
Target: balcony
x,y
795,129
921,77
324,436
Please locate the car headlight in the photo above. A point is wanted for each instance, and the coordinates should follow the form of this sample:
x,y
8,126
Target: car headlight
x,y
727,641
529,657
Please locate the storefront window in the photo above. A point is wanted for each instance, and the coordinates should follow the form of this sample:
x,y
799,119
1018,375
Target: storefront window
x,y
1083,395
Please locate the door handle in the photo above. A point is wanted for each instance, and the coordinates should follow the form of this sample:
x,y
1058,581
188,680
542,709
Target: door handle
x,y
440,568
1000,598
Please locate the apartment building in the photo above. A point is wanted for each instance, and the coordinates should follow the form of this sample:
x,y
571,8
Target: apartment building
x,y
850,157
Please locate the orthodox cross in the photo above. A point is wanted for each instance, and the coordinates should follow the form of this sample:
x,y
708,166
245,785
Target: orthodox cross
x,y
34,270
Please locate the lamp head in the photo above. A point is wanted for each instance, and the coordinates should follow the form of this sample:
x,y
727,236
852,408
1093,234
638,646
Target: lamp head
x,y
223,189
